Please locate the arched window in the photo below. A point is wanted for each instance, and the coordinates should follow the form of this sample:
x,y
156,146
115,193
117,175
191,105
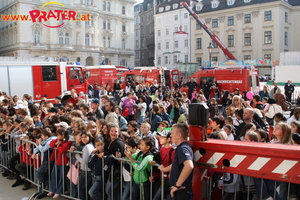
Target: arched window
x,y
104,41
123,27
108,41
87,40
123,62
36,37
61,38
108,6
104,5
67,38
123,43
123,10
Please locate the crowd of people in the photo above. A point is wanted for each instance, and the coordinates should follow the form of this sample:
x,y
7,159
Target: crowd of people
x,y
146,124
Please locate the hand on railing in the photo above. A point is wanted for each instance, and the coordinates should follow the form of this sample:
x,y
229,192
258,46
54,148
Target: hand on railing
x,y
72,149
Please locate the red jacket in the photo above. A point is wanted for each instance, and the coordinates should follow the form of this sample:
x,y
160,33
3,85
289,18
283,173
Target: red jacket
x,y
25,157
60,152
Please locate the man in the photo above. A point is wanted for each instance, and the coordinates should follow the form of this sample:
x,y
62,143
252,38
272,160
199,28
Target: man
x,y
58,102
74,98
181,170
181,82
273,91
288,90
205,88
191,85
256,103
214,81
95,107
111,116
116,91
104,99
85,110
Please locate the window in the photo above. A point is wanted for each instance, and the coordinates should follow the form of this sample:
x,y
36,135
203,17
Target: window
x,y
176,17
175,6
108,24
176,29
186,15
167,45
77,39
104,5
87,40
230,21
214,23
267,56
108,42
185,29
123,10
230,2
230,41
159,60
247,38
214,4
247,18
214,58
123,43
159,46
67,38
61,38
247,57
198,26
123,27
167,31
199,61
104,24
247,1
92,20
174,59
268,37
286,17
268,15
36,38
186,43
124,63
75,73
158,33
186,58
104,41
137,44
286,38
176,44
198,43
166,59
49,73
92,39
108,6
214,44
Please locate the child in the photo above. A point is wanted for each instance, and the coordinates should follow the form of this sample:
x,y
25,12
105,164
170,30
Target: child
x,y
44,148
283,134
4,146
194,94
92,127
251,136
141,170
230,184
96,164
213,108
229,131
167,153
37,120
132,146
60,168
145,131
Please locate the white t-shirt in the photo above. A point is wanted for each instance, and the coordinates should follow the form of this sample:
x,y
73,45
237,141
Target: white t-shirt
x,y
143,110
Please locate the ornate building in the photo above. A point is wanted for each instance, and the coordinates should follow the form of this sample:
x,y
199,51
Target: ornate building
x,y
107,38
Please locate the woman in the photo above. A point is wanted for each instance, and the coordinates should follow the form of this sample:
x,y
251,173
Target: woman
x,y
224,102
173,110
128,110
280,100
295,117
264,93
141,109
272,110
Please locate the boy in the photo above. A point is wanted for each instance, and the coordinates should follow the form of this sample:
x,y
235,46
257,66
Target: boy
x,y
37,121
58,102
145,131
167,153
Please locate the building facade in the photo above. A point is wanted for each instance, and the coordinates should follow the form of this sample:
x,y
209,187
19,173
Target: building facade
x,y
251,29
107,38
172,32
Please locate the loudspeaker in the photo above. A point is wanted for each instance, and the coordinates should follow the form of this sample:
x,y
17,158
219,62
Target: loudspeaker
x,y
198,114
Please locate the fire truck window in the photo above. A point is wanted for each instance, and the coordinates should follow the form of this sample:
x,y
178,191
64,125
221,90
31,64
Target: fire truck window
x,y
208,79
121,79
74,74
139,79
175,77
130,78
257,80
250,78
49,73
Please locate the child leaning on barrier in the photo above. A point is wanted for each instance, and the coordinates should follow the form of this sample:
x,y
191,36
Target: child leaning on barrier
x,y
60,169
141,170
43,148
4,146
96,164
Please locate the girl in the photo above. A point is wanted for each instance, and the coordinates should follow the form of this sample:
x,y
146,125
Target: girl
x,y
283,134
60,168
247,127
295,117
128,111
93,129
295,127
213,108
141,170
142,106
85,177
229,131
96,164
251,136
194,94
173,110
100,123
114,147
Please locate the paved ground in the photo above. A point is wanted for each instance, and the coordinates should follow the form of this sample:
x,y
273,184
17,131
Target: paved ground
x,y
9,193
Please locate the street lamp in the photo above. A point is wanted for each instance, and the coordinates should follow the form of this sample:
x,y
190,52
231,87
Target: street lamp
x,y
102,57
210,48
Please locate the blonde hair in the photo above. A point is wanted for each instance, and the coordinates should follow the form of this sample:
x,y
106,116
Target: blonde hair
x,y
286,133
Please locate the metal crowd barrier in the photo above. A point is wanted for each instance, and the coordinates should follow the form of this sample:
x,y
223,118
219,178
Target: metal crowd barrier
x,y
294,95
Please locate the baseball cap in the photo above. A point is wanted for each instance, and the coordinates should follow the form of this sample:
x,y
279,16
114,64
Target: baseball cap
x,y
164,122
62,124
165,133
19,106
53,109
95,100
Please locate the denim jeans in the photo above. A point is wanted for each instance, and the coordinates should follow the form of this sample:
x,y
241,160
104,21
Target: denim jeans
x,y
267,188
95,191
58,174
127,191
144,188
140,120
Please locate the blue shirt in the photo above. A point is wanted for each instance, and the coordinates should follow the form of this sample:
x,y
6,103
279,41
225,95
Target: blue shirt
x,y
183,152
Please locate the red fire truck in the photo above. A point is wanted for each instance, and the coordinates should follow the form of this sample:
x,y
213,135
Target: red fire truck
x,y
40,77
148,75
